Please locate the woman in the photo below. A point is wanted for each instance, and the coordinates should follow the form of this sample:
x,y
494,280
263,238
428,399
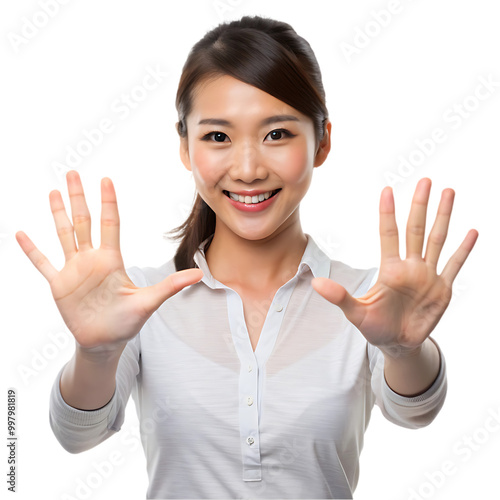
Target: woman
x,y
254,360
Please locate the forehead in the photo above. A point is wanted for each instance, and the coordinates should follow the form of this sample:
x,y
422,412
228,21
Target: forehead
x,y
228,97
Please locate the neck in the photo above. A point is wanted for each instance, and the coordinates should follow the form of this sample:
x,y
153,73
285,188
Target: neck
x,y
256,264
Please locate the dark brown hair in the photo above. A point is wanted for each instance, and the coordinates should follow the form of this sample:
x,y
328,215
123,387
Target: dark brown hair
x,y
261,52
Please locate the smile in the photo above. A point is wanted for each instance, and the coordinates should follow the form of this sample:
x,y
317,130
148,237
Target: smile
x,y
254,200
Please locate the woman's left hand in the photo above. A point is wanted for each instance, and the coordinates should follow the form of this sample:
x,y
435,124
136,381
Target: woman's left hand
x,y
409,298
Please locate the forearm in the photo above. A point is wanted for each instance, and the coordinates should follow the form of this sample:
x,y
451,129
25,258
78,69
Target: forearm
x,y
88,380
412,372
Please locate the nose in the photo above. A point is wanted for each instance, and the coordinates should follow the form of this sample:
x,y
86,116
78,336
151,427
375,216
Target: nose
x,y
246,163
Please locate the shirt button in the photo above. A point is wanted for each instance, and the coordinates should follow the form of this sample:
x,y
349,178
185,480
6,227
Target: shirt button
x,y
249,401
250,440
278,307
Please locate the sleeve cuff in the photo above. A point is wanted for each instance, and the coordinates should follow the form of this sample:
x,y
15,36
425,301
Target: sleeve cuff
x,y
74,415
431,393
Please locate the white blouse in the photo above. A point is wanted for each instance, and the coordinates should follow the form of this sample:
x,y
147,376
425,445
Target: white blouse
x,y
219,420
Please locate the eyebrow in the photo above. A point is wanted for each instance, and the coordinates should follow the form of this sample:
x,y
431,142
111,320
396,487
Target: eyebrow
x,y
266,121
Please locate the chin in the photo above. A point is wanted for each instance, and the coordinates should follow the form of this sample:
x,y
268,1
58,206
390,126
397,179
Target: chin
x,y
253,235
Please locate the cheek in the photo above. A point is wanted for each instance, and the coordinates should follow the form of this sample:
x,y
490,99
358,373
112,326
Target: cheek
x,y
204,166
296,165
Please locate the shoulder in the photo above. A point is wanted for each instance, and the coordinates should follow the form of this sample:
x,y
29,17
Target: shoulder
x,y
146,276
356,281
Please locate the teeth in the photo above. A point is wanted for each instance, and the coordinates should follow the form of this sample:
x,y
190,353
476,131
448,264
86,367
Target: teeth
x,y
250,199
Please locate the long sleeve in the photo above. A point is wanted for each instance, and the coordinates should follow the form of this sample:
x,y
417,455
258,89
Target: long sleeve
x,y
221,420
79,430
411,412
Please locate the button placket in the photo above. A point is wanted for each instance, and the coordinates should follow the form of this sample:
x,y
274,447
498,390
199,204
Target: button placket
x,y
249,421
251,372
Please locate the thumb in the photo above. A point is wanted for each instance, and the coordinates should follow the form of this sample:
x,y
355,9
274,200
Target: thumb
x,y
338,295
155,295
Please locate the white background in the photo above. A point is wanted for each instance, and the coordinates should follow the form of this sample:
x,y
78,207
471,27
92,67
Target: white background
x,y
405,82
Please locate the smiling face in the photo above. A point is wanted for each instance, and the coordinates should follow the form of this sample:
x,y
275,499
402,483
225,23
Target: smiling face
x,y
242,143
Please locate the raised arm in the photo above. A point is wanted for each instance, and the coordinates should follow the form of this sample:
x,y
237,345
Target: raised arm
x,y
101,306
399,312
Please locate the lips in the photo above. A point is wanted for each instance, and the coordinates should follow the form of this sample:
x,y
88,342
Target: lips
x,y
254,200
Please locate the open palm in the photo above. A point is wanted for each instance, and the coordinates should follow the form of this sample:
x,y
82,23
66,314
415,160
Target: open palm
x,y
409,297
96,298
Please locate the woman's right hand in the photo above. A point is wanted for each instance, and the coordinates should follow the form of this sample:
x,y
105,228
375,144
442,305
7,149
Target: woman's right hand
x,y
97,300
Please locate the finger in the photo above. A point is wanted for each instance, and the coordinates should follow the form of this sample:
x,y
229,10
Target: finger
x,y
39,260
439,230
389,238
110,220
64,228
155,295
457,260
79,210
415,228
338,295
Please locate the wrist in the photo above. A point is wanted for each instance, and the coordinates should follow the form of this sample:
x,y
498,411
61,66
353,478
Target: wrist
x,y
399,352
88,380
100,354
411,371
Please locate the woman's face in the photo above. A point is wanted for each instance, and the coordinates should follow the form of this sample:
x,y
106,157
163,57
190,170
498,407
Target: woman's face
x,y
243,142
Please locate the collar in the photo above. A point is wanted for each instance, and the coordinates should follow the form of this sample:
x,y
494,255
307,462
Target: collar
x,y
313,259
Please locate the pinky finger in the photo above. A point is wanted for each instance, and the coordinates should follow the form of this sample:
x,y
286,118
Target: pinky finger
x,y
39,260
457,260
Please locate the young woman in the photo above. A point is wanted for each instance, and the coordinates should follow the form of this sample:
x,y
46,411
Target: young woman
x,y
254,360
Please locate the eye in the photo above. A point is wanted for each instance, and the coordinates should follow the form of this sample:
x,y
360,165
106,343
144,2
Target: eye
x,y
279,133
217,137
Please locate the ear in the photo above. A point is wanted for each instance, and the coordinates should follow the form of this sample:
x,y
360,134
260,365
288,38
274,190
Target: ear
x,y
184,153
324,146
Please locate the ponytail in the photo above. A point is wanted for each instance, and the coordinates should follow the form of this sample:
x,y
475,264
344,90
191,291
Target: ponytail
x,y
198,227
